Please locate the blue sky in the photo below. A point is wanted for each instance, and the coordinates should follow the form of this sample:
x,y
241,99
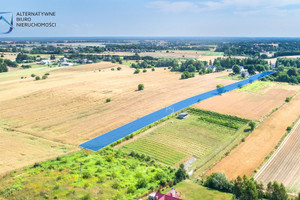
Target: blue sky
x,y
249,18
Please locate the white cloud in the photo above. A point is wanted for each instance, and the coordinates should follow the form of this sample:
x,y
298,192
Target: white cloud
x,y
249,4
174,7
239,7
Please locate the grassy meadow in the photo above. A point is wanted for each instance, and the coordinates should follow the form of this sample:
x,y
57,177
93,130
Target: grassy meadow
x,y
189,190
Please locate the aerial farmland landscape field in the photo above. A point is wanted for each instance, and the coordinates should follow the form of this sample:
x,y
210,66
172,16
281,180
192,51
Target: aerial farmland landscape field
x,y
150,100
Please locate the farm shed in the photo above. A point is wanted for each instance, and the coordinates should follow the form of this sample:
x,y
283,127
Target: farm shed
x,y
183,115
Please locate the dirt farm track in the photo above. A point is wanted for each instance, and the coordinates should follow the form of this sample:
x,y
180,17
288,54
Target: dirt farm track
x,y
284,165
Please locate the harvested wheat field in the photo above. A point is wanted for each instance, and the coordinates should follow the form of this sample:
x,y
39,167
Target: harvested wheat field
x,y
249,155
284,165
70,106
10,56
18,150
250,102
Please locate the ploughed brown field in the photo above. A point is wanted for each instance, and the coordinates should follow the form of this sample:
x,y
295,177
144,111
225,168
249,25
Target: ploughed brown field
x,y
249,155
70,105
284,165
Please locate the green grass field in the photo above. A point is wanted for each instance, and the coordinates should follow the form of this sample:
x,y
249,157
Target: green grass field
x,y
189,190
181,139
236,77
213,53
255,87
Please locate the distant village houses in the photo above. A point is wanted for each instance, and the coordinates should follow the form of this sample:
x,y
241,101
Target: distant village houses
x,y
45,62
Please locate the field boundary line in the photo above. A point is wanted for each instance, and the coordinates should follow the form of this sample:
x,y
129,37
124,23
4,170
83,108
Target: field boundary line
x,y
278,150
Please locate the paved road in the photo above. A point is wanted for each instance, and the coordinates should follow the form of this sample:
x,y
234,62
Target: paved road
x,y
118,133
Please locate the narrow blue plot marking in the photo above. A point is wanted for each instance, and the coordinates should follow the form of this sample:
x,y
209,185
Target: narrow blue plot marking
x,y
110,137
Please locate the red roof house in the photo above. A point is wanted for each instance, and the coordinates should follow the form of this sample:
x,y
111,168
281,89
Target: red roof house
x,y
172,195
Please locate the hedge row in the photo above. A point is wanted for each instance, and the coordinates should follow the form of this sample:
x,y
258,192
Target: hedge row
x,y
221,119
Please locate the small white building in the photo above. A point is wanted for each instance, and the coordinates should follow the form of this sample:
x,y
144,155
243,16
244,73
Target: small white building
x,y
66,64
63,59
45,62
212,67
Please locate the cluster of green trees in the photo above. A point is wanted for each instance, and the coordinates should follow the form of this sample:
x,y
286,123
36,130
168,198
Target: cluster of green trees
x,y
287,70
136,56
90,49
186,75
286,53
288,62
95,58
254,48
229,62
191,65
47,50
246,188
291,75
3,66
4,63
10,63
156,63
21,57
142,46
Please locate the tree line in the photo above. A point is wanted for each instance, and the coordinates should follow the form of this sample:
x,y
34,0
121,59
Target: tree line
x,y
244,188
287,70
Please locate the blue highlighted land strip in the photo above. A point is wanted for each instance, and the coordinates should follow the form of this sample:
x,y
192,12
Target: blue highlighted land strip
x,y
118,133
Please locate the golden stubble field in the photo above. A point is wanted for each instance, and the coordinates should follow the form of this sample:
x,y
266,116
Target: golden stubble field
x,y
250,105
19,150
70,105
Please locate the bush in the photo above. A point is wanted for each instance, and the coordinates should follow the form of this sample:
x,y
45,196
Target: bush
x,y
36,165
37,78
288,99
137,71
86,197
153,69
252,125
26,66
56,187
108,100
44,77
141,87
131,189
47,74
32,75
219,182
180,174
119,68
86,175
144,70
142,183
289,128
112,69
186,75
219,86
